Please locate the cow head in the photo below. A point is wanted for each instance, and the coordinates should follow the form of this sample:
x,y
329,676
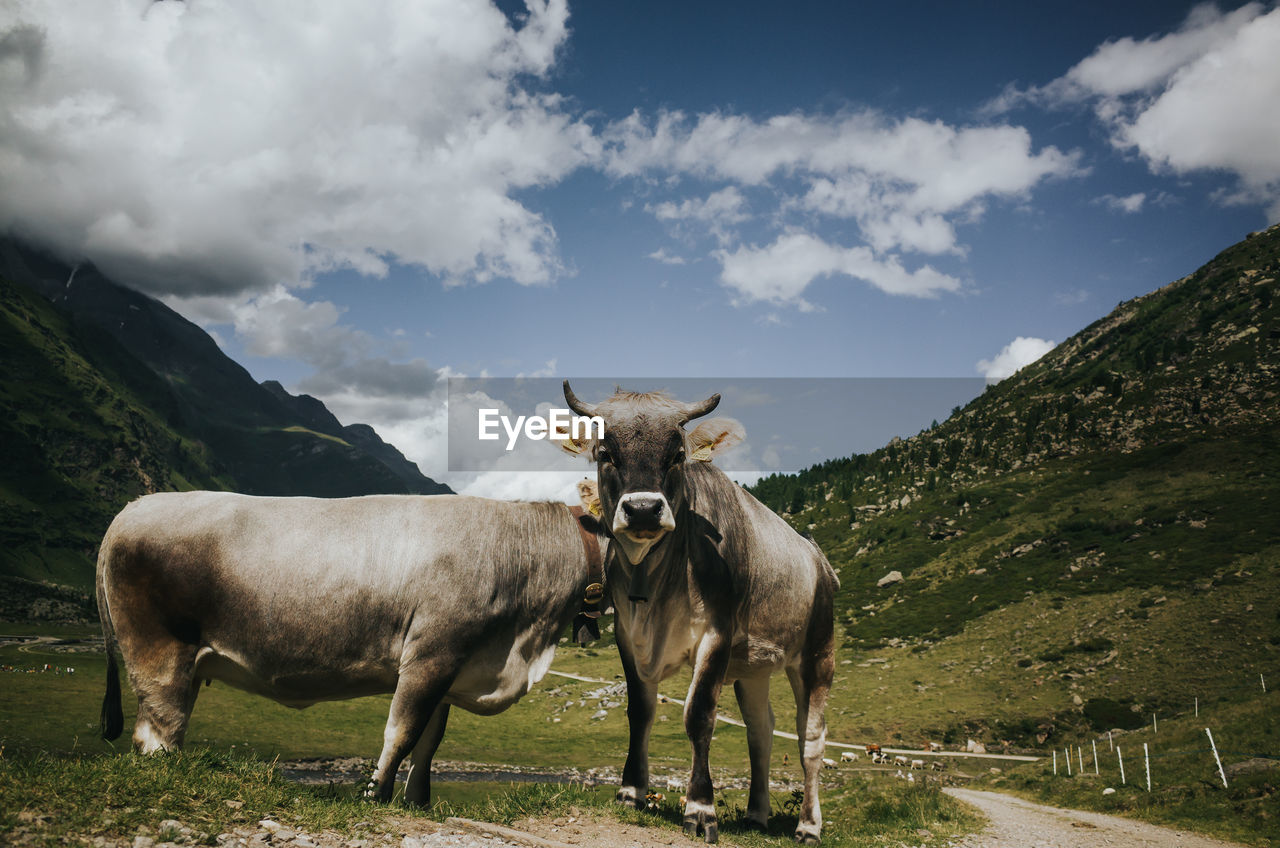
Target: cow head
x,y
642,458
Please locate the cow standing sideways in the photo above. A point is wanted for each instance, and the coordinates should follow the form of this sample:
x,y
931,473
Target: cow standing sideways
x,y
442,600
703,574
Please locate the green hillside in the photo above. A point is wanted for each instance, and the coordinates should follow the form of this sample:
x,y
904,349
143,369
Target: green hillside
x,y
85,427
1097,530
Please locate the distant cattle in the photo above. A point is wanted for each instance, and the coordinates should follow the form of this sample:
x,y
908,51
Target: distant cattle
x,y
704,575
848,757
441,600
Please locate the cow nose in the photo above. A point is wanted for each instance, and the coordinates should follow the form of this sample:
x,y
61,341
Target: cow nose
x,y
643,513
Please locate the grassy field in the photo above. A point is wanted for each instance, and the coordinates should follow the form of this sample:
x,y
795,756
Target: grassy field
x,y
50,751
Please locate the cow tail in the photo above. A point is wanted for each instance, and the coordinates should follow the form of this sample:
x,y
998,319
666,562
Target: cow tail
x,y
112,712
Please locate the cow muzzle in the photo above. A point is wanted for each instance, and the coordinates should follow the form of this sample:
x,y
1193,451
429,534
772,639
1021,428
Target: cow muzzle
x,y
644,516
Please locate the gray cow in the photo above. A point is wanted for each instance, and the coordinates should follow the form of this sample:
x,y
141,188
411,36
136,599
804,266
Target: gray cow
x,y
703,574
443,600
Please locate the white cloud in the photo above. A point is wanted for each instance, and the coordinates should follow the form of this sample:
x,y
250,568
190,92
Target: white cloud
x,y
1129,204
278,324
897,179
1017,354
223,148
661,255
724,206
780,272
1200,98
717,212
905,183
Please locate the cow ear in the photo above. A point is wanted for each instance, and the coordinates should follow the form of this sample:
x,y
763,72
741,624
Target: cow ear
x,y
589,494
714,436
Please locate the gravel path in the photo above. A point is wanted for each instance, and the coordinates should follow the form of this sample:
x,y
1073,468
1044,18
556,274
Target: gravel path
x,y
1015,823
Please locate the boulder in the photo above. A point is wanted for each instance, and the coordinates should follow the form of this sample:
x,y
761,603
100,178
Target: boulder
x,y
890,578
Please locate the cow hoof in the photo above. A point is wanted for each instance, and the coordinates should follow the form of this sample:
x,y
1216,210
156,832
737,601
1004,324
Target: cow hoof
x,y
628,797
701,819
805,837
756,825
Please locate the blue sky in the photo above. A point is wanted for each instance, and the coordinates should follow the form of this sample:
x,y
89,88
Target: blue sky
x,y
361,201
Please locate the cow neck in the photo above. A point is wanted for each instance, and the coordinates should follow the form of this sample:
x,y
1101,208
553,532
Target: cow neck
x,y
590,546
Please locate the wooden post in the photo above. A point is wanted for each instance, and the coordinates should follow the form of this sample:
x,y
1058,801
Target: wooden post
x,y
1095,756
1155,725
1067,751
1055,762
1080,754
1264,682
1146,755
1197,706
1218,759
1120,757
1110,742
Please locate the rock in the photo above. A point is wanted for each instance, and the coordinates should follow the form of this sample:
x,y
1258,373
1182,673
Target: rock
x,y
143,842
889,579
1077,700
974,747
599,715
1251,766
1108,791
269,825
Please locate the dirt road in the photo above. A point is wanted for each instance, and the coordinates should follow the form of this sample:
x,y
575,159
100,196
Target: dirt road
x,y
1015,823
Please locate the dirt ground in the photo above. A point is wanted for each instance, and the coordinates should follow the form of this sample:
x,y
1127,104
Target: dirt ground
x,y
1013,823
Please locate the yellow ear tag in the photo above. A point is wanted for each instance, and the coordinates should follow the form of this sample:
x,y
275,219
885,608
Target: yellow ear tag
x,y
594,508
703,454
571,446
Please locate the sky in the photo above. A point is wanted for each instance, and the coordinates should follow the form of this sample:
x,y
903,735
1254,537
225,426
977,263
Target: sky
x,y
364,200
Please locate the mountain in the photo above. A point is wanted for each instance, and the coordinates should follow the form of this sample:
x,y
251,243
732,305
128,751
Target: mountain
x,y
319,418
1097,529
108,394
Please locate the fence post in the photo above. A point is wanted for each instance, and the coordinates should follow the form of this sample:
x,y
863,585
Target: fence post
x,y
1264,682
1080,754
1146,755
1120,757
1094,742
1218,759
1155,725
1067,751
1197,706
1110,742
1055,762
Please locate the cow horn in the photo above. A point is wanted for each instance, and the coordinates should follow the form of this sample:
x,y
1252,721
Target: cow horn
x,y
576,405
697,410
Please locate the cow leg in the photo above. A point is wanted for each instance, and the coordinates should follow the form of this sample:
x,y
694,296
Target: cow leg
x,y
811,683
417,790
162,675
757,714
421,687
699,723
642,699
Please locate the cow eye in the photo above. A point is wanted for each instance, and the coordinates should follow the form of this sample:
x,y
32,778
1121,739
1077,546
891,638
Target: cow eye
x,y
603,455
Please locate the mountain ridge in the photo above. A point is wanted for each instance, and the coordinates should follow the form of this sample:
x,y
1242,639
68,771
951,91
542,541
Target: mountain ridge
x,y
110,394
